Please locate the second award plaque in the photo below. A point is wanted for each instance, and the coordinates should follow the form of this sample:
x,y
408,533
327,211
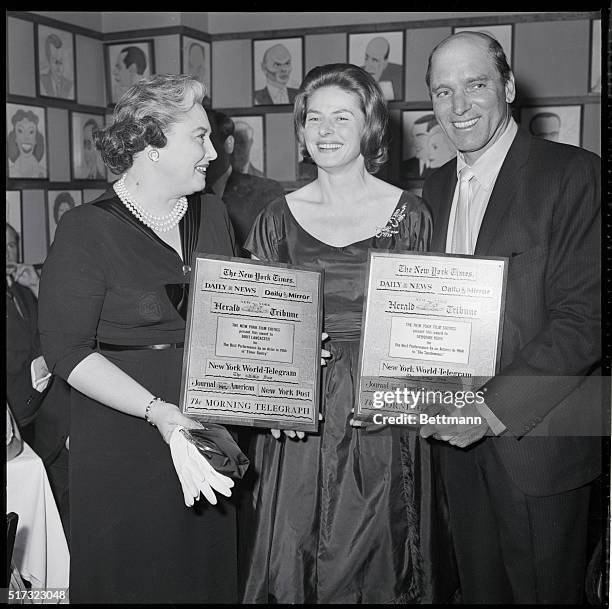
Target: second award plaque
x,y
431,328
253,344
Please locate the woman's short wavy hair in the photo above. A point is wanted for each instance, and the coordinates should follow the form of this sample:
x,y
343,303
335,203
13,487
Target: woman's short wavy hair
x,y
355,80
63,197
143,114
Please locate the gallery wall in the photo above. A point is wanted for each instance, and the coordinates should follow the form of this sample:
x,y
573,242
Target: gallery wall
x,y
551,58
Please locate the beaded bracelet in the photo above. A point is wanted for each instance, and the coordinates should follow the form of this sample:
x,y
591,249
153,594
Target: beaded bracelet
x,y
148,408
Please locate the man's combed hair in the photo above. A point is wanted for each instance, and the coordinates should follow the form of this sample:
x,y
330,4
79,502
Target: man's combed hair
x,y
144,114
52,40
495,49
357,81
222,125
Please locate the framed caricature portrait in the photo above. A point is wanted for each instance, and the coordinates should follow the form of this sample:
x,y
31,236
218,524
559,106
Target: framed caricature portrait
x,y
501,33
554,123
278,69
195,60
425,146
55,63
382,55
14,218
125,64
26,141
86,160
58,203
248,156
596,50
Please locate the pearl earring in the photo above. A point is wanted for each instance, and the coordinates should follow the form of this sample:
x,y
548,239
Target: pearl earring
x,y
153,155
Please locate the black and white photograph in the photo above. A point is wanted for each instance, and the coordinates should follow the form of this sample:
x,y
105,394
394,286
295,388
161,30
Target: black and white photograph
x,y
380,54
56,63
125,64
425,145
195,60
501,33
554,123
26,141
424,420
277,70
249,145
87,163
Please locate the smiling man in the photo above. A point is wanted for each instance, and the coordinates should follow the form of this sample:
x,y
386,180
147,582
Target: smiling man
x,y
519,498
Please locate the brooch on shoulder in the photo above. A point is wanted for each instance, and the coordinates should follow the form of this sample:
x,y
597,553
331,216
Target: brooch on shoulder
x,y
392,227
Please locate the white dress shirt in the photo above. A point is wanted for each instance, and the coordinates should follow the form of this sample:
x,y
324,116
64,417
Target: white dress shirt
x,y
486,169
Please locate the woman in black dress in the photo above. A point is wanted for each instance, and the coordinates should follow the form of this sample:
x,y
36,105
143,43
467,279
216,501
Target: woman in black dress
x,y
349,514
112,304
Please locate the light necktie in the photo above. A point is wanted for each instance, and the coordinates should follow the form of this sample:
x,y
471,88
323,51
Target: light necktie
x,y
461,243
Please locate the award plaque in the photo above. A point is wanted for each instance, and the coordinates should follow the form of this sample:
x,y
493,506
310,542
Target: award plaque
x,y
431,322
253,344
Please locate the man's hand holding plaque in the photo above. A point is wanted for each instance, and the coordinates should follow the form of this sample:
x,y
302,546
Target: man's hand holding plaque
x,y
473,425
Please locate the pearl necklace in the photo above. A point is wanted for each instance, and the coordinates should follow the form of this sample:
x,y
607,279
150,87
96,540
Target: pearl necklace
x,y
159,223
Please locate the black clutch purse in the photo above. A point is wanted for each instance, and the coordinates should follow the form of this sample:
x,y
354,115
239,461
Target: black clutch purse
x,y
216,444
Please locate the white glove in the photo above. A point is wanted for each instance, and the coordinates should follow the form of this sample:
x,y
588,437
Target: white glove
x,y
40,374
195,473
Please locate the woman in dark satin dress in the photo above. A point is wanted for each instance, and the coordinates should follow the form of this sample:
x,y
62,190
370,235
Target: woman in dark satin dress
x,y
350,514
112,324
